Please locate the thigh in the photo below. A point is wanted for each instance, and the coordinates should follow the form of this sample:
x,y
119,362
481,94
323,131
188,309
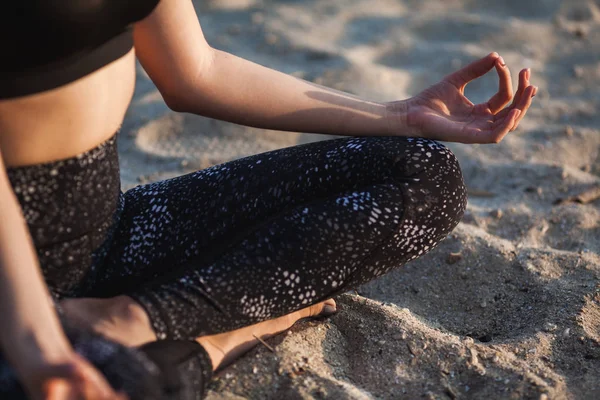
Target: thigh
x,y
200,216
318,247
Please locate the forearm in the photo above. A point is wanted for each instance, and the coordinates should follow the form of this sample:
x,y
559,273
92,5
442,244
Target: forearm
x,y
30,326
239,91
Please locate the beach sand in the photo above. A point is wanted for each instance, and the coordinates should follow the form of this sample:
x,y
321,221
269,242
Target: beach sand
x,y
508,306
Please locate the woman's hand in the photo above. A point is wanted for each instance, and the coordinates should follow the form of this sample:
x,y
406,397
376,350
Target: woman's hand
x,y
443,112
73,378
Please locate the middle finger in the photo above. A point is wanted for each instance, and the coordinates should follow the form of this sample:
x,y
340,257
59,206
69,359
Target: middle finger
x,y
505,91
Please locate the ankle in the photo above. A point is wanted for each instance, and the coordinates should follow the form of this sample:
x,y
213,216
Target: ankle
x,y
215,353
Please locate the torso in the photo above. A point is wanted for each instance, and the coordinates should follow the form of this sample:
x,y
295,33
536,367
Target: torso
x,y
68,120
68,75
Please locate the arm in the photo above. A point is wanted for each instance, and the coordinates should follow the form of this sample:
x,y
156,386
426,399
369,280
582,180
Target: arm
x,y
195,78
31,337
30,323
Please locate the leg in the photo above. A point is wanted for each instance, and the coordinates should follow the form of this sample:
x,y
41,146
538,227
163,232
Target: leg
x,y
270,234
122,320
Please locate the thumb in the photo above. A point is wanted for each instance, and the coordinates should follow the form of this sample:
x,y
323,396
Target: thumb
x,y
59,389
65,371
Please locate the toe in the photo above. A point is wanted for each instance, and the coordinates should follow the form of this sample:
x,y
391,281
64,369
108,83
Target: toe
x,y
329,308
324,309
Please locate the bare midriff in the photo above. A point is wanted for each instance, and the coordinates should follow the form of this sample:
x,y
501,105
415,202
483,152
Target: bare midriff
x,y
69,120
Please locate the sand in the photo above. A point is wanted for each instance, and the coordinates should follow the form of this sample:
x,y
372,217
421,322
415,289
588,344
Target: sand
x,y
508,306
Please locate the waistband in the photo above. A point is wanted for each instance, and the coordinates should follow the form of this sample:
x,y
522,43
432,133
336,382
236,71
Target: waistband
x,y
66,198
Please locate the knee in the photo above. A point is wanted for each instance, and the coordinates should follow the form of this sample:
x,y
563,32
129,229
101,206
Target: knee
x,y
427,172
446,172
437,192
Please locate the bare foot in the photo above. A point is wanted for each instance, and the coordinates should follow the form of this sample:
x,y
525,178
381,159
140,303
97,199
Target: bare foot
x,y
224,348
123,320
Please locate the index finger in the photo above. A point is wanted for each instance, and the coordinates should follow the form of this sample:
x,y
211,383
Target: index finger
x,y
472,71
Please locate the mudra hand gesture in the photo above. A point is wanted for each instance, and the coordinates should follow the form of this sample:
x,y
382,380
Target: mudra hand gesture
x,y
443,112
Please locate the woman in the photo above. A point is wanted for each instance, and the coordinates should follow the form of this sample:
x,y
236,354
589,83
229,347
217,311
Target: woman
x,y
225,255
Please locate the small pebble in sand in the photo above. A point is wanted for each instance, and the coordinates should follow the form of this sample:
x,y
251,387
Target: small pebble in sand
x,y
578,71
569,130
543,396
550,327
566,332
453,258
580,33
496,213
255,369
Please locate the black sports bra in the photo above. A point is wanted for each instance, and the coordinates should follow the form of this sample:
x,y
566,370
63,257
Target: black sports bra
x,y
45,44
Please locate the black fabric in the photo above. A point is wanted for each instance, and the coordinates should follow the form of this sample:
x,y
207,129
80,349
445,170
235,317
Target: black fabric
x,y
244,241
48,43
186,368
126,370
260,237
71,207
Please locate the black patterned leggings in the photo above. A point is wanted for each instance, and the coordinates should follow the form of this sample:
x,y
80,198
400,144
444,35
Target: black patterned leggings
x,y
251,239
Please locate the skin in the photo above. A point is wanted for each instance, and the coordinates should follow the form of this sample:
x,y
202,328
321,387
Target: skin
x,y
192,77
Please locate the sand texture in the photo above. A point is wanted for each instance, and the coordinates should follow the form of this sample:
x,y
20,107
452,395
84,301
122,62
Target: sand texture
x,y
507,307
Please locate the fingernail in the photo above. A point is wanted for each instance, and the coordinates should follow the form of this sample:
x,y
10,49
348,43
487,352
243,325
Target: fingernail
x,y
501,60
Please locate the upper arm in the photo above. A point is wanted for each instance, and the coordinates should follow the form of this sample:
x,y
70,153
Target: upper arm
x,y
172,49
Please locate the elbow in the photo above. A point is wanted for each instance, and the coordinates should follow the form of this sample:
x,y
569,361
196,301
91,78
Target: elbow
x,y
186,93
175,102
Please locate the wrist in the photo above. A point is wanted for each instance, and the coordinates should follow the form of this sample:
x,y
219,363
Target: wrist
x,y
27,345
399,119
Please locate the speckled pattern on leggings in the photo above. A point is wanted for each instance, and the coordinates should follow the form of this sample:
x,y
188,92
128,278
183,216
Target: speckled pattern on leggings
x,y
71,207
266,235
245,241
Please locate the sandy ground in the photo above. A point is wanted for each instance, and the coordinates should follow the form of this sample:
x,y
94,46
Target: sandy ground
x,y
507,307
